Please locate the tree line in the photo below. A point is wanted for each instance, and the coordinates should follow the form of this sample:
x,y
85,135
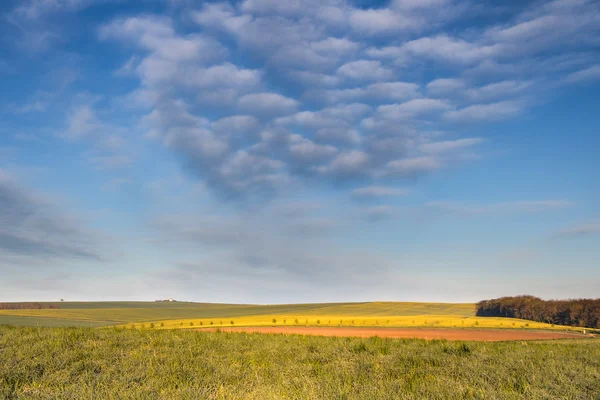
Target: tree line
x,y
26,306
575,312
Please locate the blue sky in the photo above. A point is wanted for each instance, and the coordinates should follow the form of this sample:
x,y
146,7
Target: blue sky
x,y
300,151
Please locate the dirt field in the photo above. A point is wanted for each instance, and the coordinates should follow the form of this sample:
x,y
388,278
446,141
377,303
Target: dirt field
x,y
487,335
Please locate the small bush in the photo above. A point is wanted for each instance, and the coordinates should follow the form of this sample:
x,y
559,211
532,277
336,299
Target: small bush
x,y
201,323
318,321
162,324
151,324
274,321
211,322
191,324
231,322
296,321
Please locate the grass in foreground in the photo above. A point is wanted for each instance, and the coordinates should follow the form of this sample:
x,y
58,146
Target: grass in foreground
x,y
74,363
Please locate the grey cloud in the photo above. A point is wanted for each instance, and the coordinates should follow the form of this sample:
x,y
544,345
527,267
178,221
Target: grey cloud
x,y
236,125
328,118
497,90
248,248
347,136
365,70
504,207
484,112
410,167
267,104
34,227
352,163
312,226
34,9
156,34
309,78
445,86
378,192
449,145
274,7
380,91
440,47
379,213
308,151
81,122
586,74
380,21
580,230
412,108
327,105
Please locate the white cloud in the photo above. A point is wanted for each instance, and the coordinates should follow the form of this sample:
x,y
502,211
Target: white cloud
x,y
236,125
36,9
449,145
380,21
409,167
308,151
267,104
348,136
497,89
441,47
484,112
365,70
445,87
379,91
586,74
412,108
306,85
81,122
349,163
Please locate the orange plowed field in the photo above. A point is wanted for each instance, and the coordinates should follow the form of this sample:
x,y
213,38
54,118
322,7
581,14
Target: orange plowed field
x,y
487,335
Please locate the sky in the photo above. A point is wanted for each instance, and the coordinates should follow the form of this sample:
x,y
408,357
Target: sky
x,y
267,151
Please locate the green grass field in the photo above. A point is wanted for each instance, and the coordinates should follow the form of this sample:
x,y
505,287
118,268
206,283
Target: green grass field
x,y
116,313
178,315
78,363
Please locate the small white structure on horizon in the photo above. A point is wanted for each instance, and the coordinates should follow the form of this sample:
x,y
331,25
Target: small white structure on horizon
x,y
170,299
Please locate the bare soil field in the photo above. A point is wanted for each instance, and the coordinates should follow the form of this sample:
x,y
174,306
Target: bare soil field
x,y
485,335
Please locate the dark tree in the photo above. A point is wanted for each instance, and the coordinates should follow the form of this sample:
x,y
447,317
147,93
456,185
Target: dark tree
x,y
574,312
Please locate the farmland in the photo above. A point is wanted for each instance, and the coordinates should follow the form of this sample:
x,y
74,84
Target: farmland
x,y
180,315
95,350
116,363
116,313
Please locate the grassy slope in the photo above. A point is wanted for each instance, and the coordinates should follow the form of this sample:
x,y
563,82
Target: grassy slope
x,y
114,313
84,363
